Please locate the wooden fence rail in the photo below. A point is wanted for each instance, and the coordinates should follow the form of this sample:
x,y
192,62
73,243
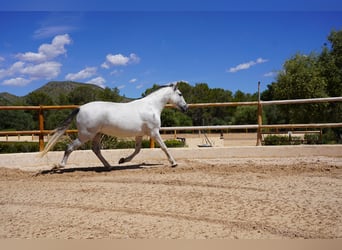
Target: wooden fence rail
x,y
41,132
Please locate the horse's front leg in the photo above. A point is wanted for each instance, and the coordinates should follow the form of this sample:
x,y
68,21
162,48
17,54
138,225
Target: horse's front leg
x,y
138,140
162,145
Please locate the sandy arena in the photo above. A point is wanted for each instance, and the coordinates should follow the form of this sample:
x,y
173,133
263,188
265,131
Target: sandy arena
x,y
223,198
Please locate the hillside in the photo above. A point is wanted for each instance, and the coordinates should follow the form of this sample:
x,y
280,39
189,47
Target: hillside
x,y
55,88
8,99
52,89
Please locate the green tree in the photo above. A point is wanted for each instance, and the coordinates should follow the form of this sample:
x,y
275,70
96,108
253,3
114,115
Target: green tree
x,y
172,117
239,96
38,98
82,95
273,113
63,99
245,115
309,76
301,78
55,117
335,38
16,120
110,95
331,60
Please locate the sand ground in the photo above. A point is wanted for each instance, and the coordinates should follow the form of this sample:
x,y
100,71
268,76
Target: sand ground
x,y
240,198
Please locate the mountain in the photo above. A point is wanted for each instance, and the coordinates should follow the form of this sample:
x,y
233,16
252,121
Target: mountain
x,y
9,99
55,88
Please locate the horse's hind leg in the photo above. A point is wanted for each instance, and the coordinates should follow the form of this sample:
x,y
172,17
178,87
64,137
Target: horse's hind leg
x,y
138,140
71,147
96,149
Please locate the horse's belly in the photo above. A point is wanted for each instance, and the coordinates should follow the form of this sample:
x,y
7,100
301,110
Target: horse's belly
x,y
123,131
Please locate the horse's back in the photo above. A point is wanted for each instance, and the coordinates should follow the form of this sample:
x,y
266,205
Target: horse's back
x,y
110,118
96,110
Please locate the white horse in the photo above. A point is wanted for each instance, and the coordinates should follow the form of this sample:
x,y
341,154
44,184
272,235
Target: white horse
x,y
137,118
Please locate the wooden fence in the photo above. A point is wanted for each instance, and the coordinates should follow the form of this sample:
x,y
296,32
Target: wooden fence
x,y
259,127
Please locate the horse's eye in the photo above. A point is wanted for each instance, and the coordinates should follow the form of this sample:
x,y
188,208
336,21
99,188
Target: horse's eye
x,y
180,94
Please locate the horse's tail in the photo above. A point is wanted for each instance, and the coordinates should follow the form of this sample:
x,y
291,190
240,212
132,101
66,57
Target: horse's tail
x,y
59,131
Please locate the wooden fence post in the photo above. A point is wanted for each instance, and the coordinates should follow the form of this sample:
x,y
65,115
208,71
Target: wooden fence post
x,y
259,135
41,129
152,144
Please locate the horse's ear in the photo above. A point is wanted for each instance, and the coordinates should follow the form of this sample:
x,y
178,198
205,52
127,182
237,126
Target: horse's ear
x,y
174,85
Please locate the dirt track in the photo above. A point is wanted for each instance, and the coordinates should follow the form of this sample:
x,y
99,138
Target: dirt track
x,y
227,198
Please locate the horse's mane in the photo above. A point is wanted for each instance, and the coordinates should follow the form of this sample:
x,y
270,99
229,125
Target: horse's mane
x,y
159,87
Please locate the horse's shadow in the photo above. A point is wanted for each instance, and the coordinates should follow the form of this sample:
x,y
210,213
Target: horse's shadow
x,y
97,169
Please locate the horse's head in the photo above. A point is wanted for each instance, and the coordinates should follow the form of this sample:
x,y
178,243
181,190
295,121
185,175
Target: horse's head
x,y
177,98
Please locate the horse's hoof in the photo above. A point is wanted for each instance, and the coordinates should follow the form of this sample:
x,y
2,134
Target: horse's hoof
x,y
57,167
122,160
174,165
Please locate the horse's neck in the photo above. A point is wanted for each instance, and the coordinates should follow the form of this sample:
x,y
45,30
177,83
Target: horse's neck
x,y
159,99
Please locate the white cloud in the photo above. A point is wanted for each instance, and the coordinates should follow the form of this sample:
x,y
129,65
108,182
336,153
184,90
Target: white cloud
x,y
46,70
133,58
122,86
99,81
270,74
120,60
2,59
247,65
84,73
139,86
105,65
47,51
36,65
15,68
133,80
116,72
18,81
50,31
31,56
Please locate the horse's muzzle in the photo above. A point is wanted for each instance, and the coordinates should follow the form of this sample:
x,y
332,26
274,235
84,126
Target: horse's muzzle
x,y
184,108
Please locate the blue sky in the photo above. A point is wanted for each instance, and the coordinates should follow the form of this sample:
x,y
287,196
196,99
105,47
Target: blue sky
x,y
226,46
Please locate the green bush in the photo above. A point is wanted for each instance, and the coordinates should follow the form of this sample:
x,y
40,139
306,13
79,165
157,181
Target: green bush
x,y
281,140
276,140
174,143
312,138
331,136
107,143
18,147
